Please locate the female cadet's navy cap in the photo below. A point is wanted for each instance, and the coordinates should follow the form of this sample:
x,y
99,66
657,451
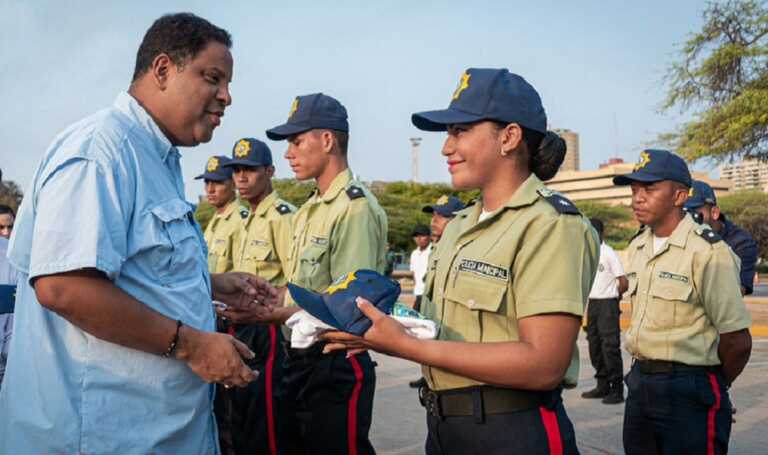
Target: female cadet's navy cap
x,y
309,112
337,306
250,152
216,169
655,166
488,94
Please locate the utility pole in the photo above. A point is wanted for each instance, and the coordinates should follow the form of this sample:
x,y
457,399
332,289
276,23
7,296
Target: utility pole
x,y
415,142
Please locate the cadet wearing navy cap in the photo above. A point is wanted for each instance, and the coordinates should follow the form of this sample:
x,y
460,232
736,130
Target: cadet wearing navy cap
x,y
443,211
688,332
340,228
509,282
702,202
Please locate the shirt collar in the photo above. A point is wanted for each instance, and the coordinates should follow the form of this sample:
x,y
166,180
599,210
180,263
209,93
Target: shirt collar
x,y
337,185
228,210
679,236
527,193
128,105
265,204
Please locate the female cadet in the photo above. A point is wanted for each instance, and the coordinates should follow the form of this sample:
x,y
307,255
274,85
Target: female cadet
x,y
507,282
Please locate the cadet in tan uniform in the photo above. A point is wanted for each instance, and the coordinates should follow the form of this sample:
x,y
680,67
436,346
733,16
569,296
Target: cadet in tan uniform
x,y
689,329
341,228
226,222
508,285
261,248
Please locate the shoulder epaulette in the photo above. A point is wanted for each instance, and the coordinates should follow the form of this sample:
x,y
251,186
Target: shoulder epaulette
x,y
244,213
559,202
709,235
283,209
355,192
471,202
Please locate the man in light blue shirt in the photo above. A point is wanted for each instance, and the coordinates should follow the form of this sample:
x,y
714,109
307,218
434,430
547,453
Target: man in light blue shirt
x,y
114,345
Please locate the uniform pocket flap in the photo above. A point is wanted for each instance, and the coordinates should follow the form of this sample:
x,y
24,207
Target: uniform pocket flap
x,y
477,293
258,253
171,210
671,291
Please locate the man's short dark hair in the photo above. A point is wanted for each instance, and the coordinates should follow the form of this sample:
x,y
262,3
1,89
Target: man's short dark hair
x,y
598,225
181,36
4,209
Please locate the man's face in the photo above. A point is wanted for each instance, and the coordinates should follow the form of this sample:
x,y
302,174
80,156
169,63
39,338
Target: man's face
x,y
438,223
708,213
6,225
197,94
421,241
652,202
306,154
219,194
252,181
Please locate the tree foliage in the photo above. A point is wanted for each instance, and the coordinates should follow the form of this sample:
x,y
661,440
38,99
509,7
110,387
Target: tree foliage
x,y
749,210
619,223
722,78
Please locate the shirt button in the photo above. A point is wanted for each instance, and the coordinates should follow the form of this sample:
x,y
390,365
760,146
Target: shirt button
x,y
471,303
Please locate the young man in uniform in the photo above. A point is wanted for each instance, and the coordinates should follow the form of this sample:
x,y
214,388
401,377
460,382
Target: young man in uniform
x,y
443,211
226,221
689,329
420,261
7,217
703,202
603,331
261,248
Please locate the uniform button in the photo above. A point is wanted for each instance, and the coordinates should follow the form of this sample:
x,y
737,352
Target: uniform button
x,y
471,302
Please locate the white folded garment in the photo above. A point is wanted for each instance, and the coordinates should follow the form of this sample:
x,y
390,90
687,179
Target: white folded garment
x,y
305,328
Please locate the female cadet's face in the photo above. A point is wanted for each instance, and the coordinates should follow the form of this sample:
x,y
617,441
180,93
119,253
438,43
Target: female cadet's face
x,y
472,151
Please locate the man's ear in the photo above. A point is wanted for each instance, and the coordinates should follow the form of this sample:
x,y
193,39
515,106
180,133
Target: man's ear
x,y
327,140
681,195
511,137
161,69
270,171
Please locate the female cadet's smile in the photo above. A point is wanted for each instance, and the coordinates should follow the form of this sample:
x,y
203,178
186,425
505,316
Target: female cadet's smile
x,y
453,165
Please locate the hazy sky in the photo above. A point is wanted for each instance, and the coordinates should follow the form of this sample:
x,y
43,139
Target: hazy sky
x,y
598,66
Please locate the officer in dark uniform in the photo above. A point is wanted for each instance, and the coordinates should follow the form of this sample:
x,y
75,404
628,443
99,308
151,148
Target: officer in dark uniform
x,y
688,333
703,202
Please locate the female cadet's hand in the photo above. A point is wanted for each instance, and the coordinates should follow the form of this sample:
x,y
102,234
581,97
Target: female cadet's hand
x,y
386,335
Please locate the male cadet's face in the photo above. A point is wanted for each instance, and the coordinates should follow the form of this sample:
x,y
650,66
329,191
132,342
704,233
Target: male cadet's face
x,y
421,241
307,154
219,194
708,213
472,152
252,181
6,225
438,223
198,93
652,202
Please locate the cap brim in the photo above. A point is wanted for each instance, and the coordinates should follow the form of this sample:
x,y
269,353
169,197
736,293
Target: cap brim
x,y
428,209
627,179
242,162
313,303
693,204
214,177
285,130
439,120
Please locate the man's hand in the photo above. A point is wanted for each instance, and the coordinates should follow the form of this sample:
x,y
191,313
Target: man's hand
x,y
385,335
239,290
215,357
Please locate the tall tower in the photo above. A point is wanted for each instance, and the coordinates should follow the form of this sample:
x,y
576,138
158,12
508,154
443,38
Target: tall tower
x,y
571,138
415,142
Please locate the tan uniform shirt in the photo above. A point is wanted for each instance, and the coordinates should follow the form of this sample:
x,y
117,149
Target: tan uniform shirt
x,y
265,240
525,259
683,296
339,232
221,233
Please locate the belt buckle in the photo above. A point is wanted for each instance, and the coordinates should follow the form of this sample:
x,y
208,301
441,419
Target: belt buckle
x,y
431,401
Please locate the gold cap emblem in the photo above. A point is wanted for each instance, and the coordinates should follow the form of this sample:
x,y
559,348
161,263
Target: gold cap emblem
x,y
442,200
463,85
645,158
213,164
294,107
341,283
242,148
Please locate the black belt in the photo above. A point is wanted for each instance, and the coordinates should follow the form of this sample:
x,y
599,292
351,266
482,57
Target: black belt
x,y
483,400
665,366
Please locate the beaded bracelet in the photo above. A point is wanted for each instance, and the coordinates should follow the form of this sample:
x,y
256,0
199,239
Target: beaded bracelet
x,y
175,341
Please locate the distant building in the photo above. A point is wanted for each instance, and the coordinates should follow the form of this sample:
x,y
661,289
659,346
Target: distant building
x,y
597,185
571,138
748,174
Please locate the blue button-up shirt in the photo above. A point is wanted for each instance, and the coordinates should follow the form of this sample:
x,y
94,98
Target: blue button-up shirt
x,y
108,194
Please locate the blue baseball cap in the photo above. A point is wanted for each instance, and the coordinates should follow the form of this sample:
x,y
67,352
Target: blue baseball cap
x,y
250,152
701,194
216,170
446,206
488,94
655,166
337,306
309,112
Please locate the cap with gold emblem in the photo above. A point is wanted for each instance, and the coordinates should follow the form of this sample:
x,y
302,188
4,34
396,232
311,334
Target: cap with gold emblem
x,y
309,112
250,152
655,166
445,205
216,170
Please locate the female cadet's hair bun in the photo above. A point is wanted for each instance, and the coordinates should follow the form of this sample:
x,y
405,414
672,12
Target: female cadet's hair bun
x,y
546,160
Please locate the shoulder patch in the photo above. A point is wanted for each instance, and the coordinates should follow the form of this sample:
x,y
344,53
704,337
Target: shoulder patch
x,y
283,209
355,192
561,203
244,213
709,235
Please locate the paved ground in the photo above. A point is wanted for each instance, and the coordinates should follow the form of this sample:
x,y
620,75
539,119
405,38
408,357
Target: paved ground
x,y
399,426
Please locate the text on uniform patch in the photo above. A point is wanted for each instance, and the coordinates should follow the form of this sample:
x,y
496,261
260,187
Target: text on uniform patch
x,y
484,269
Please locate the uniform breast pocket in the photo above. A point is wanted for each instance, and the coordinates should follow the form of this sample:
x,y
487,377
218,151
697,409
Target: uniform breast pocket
x,y
313,268
174,247
476,308
259,258
668,299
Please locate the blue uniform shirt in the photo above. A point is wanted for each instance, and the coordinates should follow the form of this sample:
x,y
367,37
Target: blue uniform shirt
x,y
108,194
745,248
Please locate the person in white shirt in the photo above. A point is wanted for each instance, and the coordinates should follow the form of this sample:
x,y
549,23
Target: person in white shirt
x,y
420,261
7,277
603,332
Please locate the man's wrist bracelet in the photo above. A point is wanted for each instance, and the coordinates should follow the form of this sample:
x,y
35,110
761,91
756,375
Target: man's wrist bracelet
x,y
172,347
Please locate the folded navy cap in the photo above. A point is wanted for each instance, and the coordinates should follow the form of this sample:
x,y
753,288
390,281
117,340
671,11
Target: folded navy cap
x,y
250,152
446,206
655,166
337,306
7,298
309,112
488,94
216,170
701,194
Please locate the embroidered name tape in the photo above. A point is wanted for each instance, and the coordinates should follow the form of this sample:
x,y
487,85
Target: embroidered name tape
x,y
322,241
674,276
484,269
257,242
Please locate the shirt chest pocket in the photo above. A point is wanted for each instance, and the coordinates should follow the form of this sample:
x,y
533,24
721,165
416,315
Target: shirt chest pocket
x,y
669,302
174,247
474,309
258,256
314,269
